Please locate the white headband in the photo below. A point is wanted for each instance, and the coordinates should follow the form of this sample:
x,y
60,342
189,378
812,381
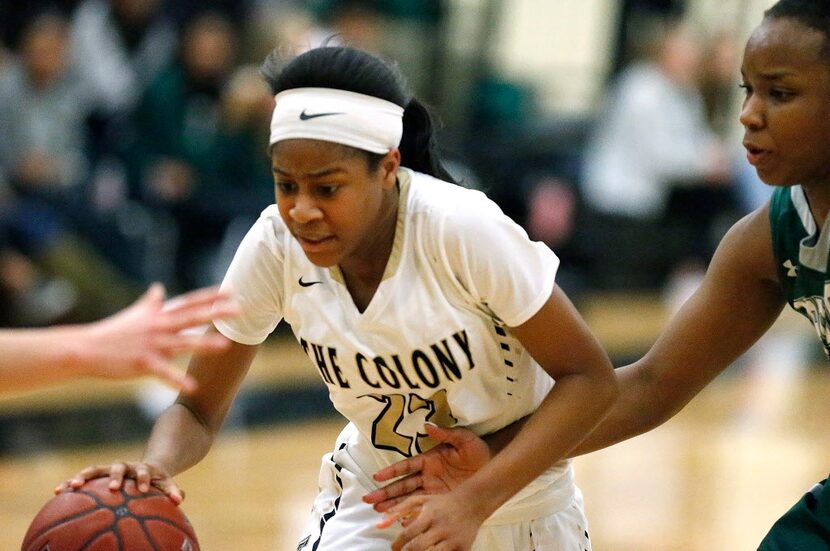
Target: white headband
x,y
347,118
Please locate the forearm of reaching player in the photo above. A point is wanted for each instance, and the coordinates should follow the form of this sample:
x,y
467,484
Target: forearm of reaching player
x,y
584,391
739,299
37,358
638,410
558,425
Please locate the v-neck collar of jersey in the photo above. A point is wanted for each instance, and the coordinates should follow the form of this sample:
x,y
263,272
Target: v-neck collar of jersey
x,y
397,252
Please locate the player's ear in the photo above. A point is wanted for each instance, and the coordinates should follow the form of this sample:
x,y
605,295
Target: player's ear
x,y
389,166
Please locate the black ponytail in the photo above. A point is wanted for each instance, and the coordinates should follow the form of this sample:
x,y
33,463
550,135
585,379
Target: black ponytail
x,y
419,150
353,70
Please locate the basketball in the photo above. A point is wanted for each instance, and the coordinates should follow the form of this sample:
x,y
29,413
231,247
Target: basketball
x,y
95,518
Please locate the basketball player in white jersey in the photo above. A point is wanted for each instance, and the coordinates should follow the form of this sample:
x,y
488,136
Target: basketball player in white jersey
x,y
417,301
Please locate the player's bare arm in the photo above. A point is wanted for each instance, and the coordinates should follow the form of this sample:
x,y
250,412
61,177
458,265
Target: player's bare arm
x,y
140,340
572,356
739,299
184,433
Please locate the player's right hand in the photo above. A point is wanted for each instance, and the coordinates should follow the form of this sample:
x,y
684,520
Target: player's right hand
x,y
459,454
144,474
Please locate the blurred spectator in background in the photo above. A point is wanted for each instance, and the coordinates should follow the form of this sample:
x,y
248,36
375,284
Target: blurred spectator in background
x,y
118,46
357,23
15,16
244,168
28,297
720,72
656,176
43,110
197,156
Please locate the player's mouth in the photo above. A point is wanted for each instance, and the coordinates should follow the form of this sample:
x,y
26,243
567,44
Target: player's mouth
x,y
314,243
756,155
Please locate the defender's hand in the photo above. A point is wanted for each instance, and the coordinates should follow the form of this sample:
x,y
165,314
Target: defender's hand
x,y
459,454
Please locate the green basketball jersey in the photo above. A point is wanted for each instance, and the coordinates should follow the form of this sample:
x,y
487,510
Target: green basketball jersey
x,y
801,253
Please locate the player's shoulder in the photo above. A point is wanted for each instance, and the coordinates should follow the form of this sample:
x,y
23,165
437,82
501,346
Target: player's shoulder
x,y
751,228
271,215
747,247
446,201
269,228
271,219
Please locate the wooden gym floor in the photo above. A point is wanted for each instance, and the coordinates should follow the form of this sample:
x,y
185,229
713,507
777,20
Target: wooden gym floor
x,y
714,477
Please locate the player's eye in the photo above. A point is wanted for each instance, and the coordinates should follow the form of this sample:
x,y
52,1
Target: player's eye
x,y
780,95
286,187
327,190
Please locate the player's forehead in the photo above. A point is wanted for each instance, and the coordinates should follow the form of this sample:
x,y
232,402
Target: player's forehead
x,y
786,44
302,156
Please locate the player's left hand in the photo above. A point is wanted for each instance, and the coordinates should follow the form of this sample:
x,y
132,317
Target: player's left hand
x,y
444,522
459,454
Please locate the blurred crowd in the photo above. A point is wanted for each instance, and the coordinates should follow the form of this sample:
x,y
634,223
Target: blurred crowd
x,y
133,132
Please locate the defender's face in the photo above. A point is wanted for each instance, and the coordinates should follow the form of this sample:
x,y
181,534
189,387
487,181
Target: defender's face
x,y
786,112
330,199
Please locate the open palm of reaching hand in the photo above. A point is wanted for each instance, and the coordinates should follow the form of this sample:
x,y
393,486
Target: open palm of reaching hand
x,y
458,455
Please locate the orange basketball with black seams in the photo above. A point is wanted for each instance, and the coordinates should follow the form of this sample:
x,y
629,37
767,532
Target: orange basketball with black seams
x,y
95,518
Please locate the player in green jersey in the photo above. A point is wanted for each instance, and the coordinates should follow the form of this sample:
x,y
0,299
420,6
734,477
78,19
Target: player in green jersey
x,y
775,255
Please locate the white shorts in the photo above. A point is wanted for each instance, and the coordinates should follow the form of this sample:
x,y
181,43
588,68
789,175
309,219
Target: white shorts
x,y
341,521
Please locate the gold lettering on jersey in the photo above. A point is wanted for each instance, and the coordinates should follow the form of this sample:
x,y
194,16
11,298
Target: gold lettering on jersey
x,y
815,309
387,432
440,414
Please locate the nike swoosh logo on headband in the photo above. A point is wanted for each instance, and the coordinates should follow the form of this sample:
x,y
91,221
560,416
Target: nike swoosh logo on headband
x,y
304,116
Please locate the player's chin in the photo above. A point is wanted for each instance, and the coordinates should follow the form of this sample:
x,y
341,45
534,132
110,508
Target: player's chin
x,y
321,262
776,178
323,259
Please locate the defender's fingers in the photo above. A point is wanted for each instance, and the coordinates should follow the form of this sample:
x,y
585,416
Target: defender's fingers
x,y
176,343
195,299
413,537
403,467
409,507
171,375
384,506
398,488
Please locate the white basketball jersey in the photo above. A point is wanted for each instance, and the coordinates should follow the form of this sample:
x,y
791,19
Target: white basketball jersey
x,y
432,345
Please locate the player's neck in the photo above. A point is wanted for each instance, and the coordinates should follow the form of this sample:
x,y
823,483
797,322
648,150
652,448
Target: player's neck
x,y
368,263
